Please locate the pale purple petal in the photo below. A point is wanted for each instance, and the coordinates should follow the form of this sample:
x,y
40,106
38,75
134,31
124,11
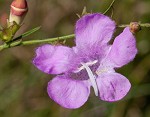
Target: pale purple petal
x,y
112,86
123,49
94,29
54,59
68,92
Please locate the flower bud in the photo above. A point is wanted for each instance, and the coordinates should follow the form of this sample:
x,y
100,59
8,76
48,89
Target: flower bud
x,y
135,27
18,11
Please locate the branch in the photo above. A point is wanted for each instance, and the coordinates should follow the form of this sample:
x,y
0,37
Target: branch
x,y
31,42
110,6
145,25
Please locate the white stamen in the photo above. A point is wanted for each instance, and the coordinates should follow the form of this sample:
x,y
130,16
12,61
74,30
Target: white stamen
x,y
88,64
92,78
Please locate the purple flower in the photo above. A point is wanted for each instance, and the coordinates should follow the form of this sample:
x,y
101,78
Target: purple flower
x,y
91,63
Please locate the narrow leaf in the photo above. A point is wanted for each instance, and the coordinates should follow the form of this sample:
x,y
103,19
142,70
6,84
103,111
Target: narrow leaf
x,y
27,33
30,31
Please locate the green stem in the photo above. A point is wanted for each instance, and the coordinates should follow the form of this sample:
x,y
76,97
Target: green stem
x,y
31,42
110,6
144,25
123,25
147,25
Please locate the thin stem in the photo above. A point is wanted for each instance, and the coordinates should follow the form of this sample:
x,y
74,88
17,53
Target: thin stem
x,y
144,25
31,42
147,25
123,25
110,6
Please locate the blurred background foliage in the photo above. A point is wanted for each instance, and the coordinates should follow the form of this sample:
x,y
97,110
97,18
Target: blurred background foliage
x,y
23,87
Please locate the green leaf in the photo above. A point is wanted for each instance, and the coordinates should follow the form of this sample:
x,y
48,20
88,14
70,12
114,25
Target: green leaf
x,y
30,31
27,33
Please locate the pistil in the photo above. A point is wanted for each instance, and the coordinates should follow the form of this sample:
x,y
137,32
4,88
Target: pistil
x,y
92,78
88,64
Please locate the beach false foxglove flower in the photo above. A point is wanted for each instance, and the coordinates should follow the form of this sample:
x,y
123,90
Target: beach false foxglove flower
x,y
91,63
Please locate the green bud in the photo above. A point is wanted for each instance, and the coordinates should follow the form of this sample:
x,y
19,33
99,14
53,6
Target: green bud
x,y
7,34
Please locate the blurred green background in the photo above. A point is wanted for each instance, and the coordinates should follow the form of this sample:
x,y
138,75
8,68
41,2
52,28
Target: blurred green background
x,y
23,87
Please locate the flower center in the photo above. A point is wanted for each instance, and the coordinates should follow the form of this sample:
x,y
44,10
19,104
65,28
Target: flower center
x,y
92,77
88,64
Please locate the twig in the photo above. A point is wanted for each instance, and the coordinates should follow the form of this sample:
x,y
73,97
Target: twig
x,y
144,25
110,6
31,42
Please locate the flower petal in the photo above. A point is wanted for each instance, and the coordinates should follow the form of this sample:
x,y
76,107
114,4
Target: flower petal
x,y
112,86
94,30
68,92
53,59
123,49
